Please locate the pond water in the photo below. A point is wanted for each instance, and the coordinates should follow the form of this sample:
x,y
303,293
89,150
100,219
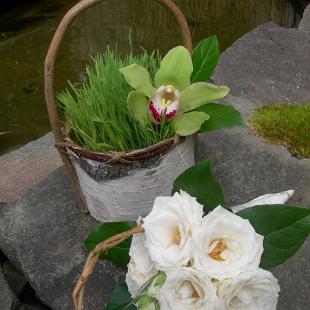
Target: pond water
x,y
26,31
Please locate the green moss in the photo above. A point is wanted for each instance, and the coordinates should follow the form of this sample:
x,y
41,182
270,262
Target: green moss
x,y
284,124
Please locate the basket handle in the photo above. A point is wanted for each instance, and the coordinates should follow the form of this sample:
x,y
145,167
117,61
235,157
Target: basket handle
x,y
78,292
49,78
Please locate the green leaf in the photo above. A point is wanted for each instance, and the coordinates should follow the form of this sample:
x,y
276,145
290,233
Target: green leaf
x,y
205,58
138,107
119,299
118,254
221,116
200,93
139,78
175,69
198,181
284,228
186,124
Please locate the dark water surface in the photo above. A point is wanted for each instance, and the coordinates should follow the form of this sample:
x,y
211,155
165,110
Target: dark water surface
x,y
26,31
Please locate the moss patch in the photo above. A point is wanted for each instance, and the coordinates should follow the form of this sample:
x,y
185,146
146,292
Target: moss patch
x,y
284,124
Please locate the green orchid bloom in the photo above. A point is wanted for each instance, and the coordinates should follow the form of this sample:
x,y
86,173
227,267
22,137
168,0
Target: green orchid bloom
x,y
173,97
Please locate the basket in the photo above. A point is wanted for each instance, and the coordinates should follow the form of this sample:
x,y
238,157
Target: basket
x,y
78,292
69,151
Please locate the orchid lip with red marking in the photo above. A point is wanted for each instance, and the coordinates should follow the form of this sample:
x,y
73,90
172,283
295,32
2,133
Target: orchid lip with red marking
x,y
166,99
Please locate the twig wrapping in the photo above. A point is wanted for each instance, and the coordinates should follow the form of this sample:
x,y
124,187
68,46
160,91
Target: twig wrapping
x,y
78,292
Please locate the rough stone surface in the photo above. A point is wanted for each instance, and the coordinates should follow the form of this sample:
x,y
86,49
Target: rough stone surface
x,y
15,279
247,167
294,279
304,24
42,234
7,298
22,168
269,64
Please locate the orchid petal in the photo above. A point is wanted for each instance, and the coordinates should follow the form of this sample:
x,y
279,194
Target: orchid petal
x,y
175,69
186,124
139,78
200,93
138,107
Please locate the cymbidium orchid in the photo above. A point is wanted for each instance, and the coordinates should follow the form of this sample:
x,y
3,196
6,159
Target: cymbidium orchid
x,y
173,98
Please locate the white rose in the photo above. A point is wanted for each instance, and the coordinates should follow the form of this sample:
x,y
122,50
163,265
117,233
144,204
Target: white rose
x,y
170,229
227,245
256,290
140,268
188,288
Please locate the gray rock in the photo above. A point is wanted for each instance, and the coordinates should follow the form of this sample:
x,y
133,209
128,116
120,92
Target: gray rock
x,y
267,65
247,167
7,298
43,233
294,279
270,64
22,168
15,279
304,24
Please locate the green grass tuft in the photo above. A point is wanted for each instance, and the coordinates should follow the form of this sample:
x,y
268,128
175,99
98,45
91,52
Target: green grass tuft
x,y
96,113
284,124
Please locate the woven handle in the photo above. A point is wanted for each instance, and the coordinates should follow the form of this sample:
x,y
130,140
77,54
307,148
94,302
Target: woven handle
x,y
78,292
49,78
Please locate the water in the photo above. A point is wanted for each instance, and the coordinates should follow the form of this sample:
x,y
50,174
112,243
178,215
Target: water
x,y
26,31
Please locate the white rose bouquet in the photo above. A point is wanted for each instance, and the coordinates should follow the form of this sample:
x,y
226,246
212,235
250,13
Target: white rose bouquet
x,y
197,253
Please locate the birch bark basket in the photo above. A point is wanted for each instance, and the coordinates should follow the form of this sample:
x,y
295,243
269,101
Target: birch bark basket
x,y
128,197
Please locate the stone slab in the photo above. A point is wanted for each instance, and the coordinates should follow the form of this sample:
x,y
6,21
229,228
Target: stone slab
x,y
304,24
42,234
22,168
267,65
